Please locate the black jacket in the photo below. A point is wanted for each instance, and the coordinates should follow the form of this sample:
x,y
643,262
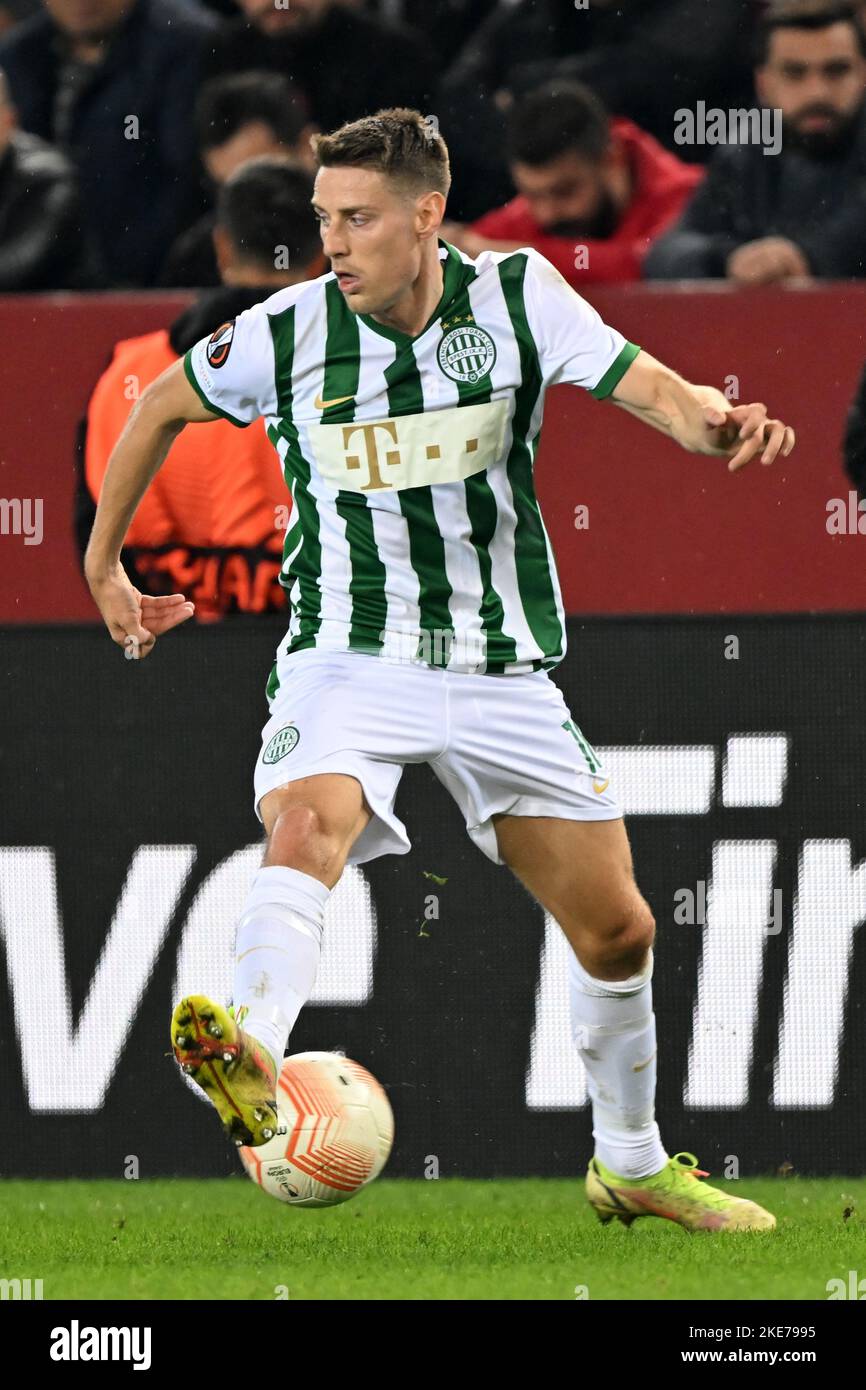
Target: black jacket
x,y
191,263
818,204
211,309
42,246
135,184
350,64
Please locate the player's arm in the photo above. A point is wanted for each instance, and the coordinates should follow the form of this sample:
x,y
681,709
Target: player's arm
x,y
135,620
700,418
576,347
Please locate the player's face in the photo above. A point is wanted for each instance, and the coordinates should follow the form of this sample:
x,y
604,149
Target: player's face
x,y
570,196
817,79
272,18
370,235
87,19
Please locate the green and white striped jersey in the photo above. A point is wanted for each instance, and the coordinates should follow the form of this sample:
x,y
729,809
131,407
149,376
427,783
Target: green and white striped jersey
x,y
415,532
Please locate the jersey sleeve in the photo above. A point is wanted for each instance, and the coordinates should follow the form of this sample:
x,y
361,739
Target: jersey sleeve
x,y
233,371
575,345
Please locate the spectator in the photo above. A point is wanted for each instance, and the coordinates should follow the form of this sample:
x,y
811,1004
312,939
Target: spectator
x,y
348,63
760,217
647,58
209,522
237,118
592,194
643,58
41,242
112,82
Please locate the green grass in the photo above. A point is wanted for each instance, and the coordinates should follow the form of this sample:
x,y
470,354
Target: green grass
x,y
447,1239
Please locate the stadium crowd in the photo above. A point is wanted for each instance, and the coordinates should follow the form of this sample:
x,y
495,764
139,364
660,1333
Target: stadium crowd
x,y
120,120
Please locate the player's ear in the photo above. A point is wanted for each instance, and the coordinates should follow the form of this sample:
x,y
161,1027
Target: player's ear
x,y
429,212
304,149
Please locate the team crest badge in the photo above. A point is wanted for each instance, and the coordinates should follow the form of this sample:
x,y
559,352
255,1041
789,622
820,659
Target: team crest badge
x,y
220,344
467,354
282,743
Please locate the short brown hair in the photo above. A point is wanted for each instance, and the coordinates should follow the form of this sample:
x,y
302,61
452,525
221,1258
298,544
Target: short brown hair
x,y
398,142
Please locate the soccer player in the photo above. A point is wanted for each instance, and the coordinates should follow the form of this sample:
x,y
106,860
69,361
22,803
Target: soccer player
x,y
403,392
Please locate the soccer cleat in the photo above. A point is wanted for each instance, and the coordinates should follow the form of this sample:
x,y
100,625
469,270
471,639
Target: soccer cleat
x,y
676,1193
232,1067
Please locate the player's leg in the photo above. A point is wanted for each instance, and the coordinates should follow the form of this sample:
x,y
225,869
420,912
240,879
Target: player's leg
x,y
235,1055
581,872
535,795
325,783
311,826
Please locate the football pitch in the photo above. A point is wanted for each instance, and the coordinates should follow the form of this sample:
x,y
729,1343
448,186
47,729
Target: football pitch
x,y
450,1239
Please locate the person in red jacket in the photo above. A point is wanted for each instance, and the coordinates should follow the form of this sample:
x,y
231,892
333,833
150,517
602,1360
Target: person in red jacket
x,y
593,193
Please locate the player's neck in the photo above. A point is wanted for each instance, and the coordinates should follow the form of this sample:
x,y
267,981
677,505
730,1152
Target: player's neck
x,y
412,311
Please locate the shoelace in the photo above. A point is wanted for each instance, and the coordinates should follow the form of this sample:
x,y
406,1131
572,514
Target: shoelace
x,y
690,1166
690,1172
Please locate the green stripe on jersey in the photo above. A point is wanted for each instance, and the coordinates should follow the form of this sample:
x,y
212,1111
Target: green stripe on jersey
x,y
483,514
426,543
306,566
367,585
534,577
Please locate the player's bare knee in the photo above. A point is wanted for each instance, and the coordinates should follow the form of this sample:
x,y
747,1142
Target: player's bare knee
x,y
300,840
621,949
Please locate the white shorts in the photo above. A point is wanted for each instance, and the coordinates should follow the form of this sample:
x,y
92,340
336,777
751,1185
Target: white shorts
x,y
498,743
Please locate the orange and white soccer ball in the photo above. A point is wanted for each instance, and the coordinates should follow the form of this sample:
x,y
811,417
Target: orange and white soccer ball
x,y
339,1132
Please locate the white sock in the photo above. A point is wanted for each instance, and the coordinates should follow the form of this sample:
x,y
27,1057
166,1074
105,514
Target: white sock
x,y
277,950
614,1030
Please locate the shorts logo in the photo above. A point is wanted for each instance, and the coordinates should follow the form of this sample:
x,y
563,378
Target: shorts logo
x,y
467,354
220,344
282,743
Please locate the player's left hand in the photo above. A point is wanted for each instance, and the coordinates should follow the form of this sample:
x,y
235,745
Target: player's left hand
x,y
746,431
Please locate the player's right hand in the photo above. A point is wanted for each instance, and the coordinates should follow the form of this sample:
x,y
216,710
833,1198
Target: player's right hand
x,y
135,620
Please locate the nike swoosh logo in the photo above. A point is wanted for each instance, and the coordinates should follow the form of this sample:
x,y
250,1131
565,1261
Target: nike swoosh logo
x,y
600,788
640,1066
323,405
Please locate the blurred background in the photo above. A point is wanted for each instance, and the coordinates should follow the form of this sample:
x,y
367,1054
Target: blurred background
x,y
697,170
